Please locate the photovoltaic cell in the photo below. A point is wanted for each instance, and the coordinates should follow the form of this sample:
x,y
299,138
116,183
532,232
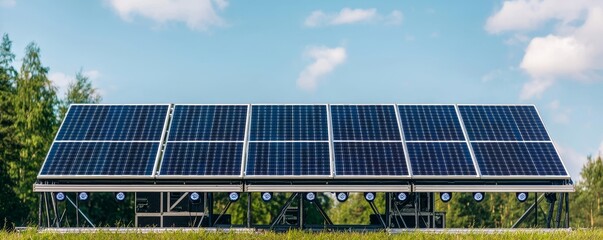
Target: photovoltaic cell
x,y
208,123
101,158
440,158
289,123
370,158
518,159
503,123
114,123
430,123
288,158
202,159
364,122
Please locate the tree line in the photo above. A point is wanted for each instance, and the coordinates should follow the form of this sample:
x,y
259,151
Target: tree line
x,y
31,112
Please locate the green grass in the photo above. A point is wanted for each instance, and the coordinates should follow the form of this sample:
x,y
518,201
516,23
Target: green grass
x,y
576,234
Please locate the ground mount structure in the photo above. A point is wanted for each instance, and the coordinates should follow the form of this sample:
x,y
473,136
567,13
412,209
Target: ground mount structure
x,y
182,153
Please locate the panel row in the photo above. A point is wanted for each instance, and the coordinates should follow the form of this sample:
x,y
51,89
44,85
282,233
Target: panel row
x,y
303,141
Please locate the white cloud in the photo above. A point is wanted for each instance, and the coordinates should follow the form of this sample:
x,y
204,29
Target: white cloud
x,y
572,51
8,3
61,80
196,14
525,15
325,60
347,16
350,16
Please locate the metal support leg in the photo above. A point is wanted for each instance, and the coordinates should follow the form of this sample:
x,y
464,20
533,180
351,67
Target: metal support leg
x,y
249,210
54,210
567,218
536,210
376,211
80,212
526,213
388,209
400,214
223,212
40,211
323,213
210,209
417,203
284,209
300,213
549,216
47,210
559,209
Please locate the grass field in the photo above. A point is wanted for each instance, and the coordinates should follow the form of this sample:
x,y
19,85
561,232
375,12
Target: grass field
x,y
515,235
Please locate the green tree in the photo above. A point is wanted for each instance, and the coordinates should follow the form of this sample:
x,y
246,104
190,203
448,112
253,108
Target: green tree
x,y
80,91
35,103
587,203
356,210
9,203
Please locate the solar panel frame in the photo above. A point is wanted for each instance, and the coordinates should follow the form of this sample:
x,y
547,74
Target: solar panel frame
x,y
438,177
76,176
197,177
401,141
516,177
292,177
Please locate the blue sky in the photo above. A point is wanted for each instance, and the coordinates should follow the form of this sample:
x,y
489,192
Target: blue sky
x,y
549,53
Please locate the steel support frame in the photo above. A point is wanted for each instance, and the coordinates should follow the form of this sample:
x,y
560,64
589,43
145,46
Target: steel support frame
x,y
552,218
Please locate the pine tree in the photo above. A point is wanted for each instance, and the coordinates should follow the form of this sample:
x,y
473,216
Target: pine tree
x,y
80,91
35,124
9,203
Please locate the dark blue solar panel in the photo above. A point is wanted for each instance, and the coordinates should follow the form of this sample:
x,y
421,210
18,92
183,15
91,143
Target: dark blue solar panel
x,y
208,123
202,158
518,158
430,123
114,122
440,158
370,158
101,158
289,122
364,122
288,158
503,123
529,123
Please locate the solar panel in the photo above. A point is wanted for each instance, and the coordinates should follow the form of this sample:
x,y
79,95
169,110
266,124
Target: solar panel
x,y
440,158
288,158
430,123
289,123
114,123
364,122
208,123
359,159
111,141
101,158
518,159
503,123
202,159
205,141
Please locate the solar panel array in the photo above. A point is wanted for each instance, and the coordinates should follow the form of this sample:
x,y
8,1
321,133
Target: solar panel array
x,y
303,141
